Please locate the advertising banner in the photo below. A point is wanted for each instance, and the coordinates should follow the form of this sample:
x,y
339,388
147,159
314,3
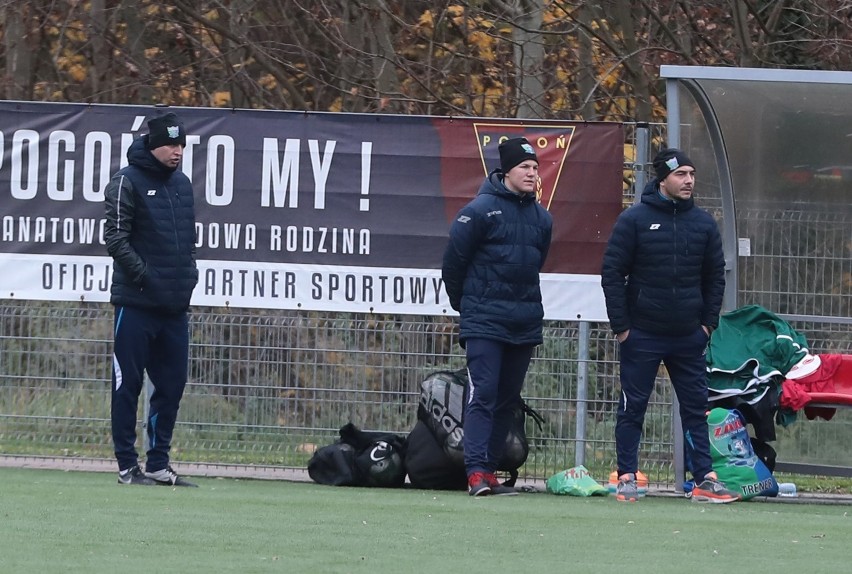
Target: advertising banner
x,y
312,211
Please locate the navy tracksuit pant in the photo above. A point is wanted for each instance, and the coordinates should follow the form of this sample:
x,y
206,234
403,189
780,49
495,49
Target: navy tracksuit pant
x,y
684,358
496,371
158,343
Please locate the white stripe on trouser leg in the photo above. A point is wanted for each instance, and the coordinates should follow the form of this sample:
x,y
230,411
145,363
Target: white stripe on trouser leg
x,y
117,368
470,387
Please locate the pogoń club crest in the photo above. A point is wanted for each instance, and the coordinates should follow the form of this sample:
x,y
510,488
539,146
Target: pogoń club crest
x,y
550,143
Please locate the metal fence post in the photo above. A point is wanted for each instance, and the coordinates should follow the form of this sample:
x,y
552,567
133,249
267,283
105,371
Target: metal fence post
x,y
582,392
641,159
678,443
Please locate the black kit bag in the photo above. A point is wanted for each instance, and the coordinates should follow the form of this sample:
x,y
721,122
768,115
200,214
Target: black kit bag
x,y
360,458
439,464
443,395
334,465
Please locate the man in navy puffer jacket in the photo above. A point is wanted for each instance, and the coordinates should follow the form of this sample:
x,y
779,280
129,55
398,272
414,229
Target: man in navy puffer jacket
x,y
498,244
150,234
663,278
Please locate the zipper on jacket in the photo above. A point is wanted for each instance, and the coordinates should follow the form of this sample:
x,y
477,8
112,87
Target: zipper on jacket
x,y
675,248
174,220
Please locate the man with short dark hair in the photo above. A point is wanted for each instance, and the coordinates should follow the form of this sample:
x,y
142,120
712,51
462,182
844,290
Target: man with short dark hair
x,y
150,234
663,278
498,244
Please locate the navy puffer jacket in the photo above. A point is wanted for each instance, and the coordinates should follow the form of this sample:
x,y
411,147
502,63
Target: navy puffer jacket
x,y
663,268
150,233
498,245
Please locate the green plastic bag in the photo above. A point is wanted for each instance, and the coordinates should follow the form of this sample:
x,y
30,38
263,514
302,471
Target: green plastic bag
x,y
576,482
734,459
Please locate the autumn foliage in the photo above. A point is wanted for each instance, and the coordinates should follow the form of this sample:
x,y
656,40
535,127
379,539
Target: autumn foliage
x,y
501,58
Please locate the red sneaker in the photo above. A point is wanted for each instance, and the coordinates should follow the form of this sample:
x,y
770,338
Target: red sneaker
x,y
477,484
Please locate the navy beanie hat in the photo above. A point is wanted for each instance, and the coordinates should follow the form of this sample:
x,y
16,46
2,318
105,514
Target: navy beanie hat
x,y
165,130
669,160
514,151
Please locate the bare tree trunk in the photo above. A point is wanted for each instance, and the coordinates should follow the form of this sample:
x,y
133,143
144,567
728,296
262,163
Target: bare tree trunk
x,y
384,66
529,58
586,74
741,32
235,56
99,75
136,62
354,37
18,63
635,73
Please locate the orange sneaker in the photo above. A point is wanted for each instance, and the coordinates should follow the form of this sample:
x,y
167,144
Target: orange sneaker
x,y
627,491
711,490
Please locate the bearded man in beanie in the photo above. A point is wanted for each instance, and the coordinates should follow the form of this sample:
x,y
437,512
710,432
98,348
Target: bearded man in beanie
x,y
150,235
498,244
663,278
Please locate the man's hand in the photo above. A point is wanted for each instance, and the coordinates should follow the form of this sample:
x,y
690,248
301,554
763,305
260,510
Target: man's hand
x,y
621,337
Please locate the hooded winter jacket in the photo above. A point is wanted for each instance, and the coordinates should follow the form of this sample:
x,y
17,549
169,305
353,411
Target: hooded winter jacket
x,y
498,244
663,269
150,234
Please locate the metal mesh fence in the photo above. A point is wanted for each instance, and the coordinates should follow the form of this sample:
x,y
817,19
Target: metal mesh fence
x,y
267,387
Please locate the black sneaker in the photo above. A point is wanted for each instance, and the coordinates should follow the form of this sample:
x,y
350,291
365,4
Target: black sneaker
x,y
168,477
499,488
477,484
134,475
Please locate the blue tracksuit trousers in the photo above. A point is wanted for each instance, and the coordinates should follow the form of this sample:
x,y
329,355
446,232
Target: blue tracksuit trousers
x,y
684,358
496,371
158,343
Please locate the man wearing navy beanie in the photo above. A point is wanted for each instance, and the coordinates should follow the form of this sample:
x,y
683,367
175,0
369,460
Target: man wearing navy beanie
x,y
663,277
166,130
668,161
150,235
514,151
498,244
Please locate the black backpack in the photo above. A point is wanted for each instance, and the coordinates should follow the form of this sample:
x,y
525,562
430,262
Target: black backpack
x,y
360,458
428,465
434,451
